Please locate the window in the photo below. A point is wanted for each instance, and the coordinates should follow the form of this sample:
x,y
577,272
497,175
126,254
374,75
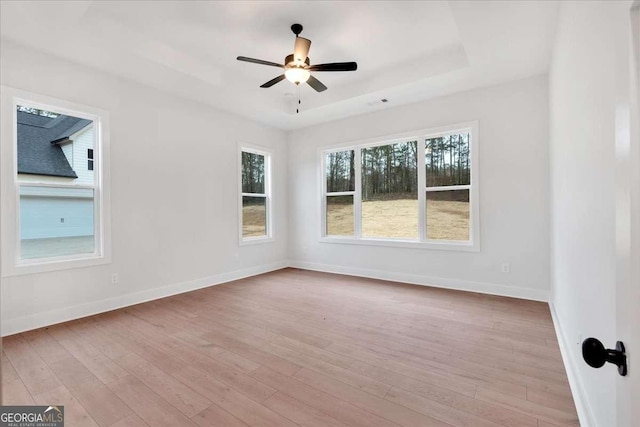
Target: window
x,y
340,193
416,191
255,183
390,191
90,159
448,172
58,219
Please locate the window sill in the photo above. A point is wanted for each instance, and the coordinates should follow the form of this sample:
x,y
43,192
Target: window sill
x,y
399,243
256,241
53,264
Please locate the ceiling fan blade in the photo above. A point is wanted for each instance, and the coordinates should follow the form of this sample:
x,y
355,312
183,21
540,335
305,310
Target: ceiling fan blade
x,y
301,49
316,84
259,61
273,81
335,66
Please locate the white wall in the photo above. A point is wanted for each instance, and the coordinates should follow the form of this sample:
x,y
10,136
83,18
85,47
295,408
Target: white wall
x,y
588,82
514,208
173,191
67,149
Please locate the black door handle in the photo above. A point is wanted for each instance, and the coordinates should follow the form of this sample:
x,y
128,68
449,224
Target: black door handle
x,y
594,353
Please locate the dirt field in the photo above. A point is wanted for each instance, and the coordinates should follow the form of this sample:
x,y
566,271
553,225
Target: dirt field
x,y
446,220
340,219
253,221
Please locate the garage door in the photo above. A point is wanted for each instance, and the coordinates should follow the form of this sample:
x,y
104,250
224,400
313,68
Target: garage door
x,y
53,212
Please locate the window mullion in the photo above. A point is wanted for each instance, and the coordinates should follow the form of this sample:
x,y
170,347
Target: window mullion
x,y
357,196
449,187
55,185
422,183
267,196
340,193
97,221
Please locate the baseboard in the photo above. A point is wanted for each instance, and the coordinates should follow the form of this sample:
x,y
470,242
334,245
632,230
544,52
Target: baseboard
x,y
585,414
437,282
39,320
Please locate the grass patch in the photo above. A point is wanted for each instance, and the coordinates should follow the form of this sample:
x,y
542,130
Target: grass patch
x,y
254,219
446,220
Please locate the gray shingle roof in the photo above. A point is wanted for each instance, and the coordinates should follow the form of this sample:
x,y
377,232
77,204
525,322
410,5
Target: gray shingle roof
x,y
36,153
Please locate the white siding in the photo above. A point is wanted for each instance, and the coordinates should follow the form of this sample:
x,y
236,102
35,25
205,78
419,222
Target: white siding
x,y
60,192
82,142
67,149
24,177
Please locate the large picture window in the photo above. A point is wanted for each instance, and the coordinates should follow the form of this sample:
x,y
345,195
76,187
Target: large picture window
x,y
390,191
255,182
414,190
58,220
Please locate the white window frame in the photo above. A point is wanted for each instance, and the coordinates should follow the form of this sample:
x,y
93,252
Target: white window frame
x,y
354,193
268,159
472,245
12,264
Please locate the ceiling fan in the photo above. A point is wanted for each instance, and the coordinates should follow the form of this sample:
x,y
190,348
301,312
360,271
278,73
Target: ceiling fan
x,y
297,68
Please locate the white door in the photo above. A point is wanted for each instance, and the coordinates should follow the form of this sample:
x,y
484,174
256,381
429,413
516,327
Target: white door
x,y
628,234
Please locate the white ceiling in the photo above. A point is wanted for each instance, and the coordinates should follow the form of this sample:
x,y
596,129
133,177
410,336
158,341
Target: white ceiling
x,y
406,51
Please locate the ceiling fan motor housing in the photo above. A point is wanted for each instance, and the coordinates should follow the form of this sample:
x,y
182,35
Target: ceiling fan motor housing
x,y
290,62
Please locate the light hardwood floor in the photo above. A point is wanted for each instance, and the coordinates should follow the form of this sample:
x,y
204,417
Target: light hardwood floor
x,y
295,347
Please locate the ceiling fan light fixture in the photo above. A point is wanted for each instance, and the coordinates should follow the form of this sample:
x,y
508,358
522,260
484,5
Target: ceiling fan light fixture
x,y
297,75
297,67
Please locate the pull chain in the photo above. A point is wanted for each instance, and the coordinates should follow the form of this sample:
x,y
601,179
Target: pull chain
x,y
298,107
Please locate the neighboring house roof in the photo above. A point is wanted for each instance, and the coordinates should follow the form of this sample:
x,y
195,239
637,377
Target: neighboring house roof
x,y
38,152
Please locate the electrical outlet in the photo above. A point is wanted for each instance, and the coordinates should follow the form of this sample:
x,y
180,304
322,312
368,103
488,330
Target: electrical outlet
x,y
505,268
114,278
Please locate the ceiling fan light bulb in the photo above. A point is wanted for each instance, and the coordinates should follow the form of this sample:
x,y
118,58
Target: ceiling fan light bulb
x,y
297,75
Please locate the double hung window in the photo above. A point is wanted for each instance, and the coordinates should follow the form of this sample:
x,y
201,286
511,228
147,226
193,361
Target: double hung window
x,y
53,170
255,179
